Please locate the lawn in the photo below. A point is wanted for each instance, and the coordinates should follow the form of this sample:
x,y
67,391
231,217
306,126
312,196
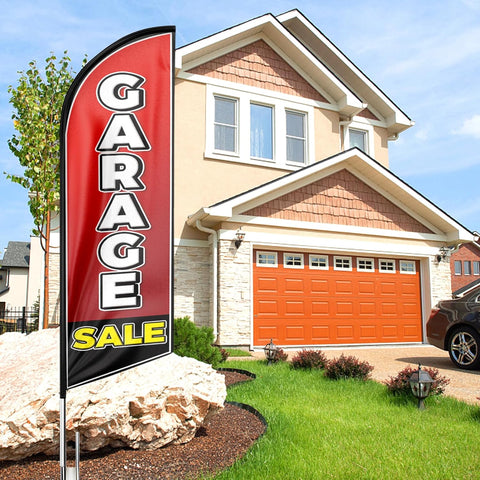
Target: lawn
x,y
348,429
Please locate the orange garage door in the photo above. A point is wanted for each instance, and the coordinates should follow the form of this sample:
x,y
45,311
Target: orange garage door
x,y
319,299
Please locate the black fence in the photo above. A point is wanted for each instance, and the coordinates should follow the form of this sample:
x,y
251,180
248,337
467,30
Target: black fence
x,y
23,320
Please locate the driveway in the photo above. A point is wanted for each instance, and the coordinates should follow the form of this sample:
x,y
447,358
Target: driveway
x,y
388,361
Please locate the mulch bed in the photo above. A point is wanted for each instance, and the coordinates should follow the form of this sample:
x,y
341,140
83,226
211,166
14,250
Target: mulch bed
x,y
222,440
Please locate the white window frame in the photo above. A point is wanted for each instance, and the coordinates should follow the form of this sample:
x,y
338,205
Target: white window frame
x,y
408,271
227,152
342,260
467,267
298,256
476,267
318,267
364,127
280,104
386,262
267,265
370,262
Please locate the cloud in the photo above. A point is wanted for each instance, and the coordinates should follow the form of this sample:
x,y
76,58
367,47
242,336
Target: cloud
x,y
470,127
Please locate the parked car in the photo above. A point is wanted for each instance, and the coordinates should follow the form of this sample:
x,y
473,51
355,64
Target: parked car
x,y
454,325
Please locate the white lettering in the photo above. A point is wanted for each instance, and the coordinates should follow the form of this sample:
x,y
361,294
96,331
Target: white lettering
x,y
119,92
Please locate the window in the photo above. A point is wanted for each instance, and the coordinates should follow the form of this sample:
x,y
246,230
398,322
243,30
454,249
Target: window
x,y
407,267
296,139
358,138
365,264
386,266
458,267
476,268
261,131
267,259
319,262
267,129
467,267
293,260
342,263
226,124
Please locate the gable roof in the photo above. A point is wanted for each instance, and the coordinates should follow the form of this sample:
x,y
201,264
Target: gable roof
x,y
291,35
17,255
373,174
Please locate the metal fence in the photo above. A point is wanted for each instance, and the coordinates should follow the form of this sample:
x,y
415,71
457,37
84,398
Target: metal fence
x,y
24,320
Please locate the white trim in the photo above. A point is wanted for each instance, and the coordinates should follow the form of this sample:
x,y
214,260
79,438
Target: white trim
x,y
370,262
267,253
369,136
389,261
294,256
410,263
342,260
319,255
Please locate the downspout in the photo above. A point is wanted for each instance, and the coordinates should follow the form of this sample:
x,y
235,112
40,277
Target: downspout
x,y
214,234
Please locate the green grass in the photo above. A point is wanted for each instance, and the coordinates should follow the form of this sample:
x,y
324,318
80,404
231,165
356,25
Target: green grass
x,y
236,352
348,429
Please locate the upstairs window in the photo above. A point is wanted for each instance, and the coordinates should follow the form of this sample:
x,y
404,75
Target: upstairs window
x,y
458,267
261,131
226,124
358,138
476,268
467,267
296,137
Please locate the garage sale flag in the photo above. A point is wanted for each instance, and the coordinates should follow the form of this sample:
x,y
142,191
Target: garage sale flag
x,y
116,209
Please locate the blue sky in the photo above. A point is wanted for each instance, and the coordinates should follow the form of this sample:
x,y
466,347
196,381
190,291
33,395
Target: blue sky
x,y
425,55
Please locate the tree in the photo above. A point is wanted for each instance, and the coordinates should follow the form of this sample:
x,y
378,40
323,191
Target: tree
x,y
38,101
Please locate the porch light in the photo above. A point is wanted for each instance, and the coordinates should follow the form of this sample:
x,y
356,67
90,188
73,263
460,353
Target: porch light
x,y
239,235
271,351
420,383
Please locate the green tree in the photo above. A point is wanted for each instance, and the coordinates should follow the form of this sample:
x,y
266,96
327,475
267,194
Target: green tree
x,y
37,102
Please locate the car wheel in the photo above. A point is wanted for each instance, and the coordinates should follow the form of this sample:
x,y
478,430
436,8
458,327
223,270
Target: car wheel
x,y
464,348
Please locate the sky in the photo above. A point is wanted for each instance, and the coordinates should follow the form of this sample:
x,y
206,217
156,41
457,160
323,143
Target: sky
x,y
424,55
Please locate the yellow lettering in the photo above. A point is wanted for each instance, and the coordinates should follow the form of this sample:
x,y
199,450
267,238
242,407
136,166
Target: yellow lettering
x,y
109,336
84,338
154,332
128,335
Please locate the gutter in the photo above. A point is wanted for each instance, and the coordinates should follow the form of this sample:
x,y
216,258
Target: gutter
x,y
214,236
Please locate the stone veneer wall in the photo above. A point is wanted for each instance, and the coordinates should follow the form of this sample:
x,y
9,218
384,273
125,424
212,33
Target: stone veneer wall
x,y
192,283
440,280
234,293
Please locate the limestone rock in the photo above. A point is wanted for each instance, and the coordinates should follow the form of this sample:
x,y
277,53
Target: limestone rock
x,y
163,401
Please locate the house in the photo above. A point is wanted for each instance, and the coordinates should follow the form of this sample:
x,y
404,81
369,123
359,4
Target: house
x,y
465,265
288,222
21,274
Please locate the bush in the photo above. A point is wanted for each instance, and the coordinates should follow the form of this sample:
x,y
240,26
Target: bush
x,y
224,353
195,342
400,384
309,359
347,367
281,356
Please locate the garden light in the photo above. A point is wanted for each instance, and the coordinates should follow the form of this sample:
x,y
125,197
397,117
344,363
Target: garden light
x,y
271,351
420,383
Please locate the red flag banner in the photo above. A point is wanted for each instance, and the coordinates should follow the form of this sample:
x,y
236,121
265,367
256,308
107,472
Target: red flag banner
x,y
116,209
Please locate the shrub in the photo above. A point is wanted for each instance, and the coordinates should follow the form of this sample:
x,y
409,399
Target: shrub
x,y
309,359
282,356
400,384
195,342
224,354
347,367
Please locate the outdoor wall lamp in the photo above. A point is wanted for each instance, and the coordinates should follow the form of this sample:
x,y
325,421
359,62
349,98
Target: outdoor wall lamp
x,y
442,254
271,351
420,383
239,235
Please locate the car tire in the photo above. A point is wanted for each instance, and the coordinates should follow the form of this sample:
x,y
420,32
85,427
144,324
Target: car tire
x,y
464,348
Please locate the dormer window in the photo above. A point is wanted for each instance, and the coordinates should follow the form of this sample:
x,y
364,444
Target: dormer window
x,y
359,134
358,138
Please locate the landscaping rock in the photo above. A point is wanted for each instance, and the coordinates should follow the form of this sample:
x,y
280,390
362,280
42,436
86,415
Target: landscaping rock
x,y
162,402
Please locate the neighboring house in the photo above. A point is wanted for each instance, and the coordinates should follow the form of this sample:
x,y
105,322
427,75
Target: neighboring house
x,y
465,265
21,274
288,223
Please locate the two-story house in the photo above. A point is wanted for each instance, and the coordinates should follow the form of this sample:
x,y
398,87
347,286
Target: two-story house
x,y
289,224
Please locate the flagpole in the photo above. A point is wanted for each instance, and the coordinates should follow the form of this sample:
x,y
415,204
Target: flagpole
x,y
63,444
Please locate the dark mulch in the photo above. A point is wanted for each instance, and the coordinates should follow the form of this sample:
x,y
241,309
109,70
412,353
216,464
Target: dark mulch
x,y
223,439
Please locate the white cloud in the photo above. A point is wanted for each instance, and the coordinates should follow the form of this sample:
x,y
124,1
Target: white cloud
x,y
470,127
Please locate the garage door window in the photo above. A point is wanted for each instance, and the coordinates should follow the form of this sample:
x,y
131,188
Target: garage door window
x,y
267,259
343,263
407,267
318,262
365,265
386,266
293,260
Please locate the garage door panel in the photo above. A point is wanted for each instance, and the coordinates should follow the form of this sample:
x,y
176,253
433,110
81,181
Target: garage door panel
x,y
308,306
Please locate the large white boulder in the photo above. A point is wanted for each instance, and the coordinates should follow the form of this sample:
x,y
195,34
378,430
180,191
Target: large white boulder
x,y
163,401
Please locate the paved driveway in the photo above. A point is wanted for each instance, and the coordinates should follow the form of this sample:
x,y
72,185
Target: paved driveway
x,y
388,361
